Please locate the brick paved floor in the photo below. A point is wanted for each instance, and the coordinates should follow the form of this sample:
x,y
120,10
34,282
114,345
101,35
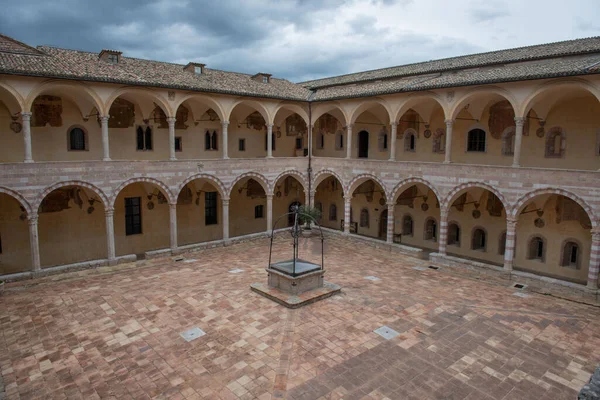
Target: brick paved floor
x,y
114,333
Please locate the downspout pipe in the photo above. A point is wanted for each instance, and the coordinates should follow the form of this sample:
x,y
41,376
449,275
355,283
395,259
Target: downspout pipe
x,y
309,154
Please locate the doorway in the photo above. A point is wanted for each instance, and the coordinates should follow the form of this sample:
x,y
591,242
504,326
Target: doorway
x,y
383,225
363,144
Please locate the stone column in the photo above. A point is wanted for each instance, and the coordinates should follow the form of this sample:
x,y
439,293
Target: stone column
x,y
347,205
349,142
520,122
443,237
448,156
105,142
171,121
173,225
390,223
269,141
225,203
110,235
509,247
26,117
34,242
310,140
393,141
225,145
269,212
594,261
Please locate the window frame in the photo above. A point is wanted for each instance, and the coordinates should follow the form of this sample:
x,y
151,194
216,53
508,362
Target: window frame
x,y
434,236
131,227
333,215
563,248
178,140
480,142
543,241
242,144
259,211
480,247
211,208
85,138
405,218
456,242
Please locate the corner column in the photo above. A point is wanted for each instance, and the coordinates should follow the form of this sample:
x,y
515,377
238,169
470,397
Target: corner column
x,y
390,223
269,213
173,226
519,123
349,142
594,261
448,153
443,239
225,204
509,247
269,141
393,141
110,235
26,117
225,144
105,142
34,242
347,205
171,121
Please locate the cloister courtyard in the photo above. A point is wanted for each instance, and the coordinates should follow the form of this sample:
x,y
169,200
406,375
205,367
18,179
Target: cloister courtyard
x,y
115,332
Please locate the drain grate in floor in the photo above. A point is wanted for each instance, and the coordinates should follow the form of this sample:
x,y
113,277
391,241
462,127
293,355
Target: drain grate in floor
x,y
192,334
519,286
433,267
386,332
236,271
372,278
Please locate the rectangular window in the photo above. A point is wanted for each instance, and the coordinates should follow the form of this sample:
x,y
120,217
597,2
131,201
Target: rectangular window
x,y
299,144
242,145
210,208
258,211
133,215
178,143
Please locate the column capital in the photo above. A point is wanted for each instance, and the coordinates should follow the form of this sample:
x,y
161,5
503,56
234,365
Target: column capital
x,y
349,126
269,197
32,219
520,120
26,115
391,205
104,118
109,211
224,123
511,223
172,204
270,126
171,120
394,124
596,234
225,201
348,199
449,122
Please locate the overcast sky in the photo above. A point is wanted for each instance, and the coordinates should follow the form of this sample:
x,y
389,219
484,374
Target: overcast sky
x,y
297,39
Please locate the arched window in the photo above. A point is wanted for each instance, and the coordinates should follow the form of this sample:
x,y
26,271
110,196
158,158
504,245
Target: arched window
x,y
430,229
502,244
407,225
382,140
454,234
508,141
537,249
476,140
148,139
410,140
77,139
332,212
556,141
479,239
207,140
139,139
339,140
364,218
320,140
214,140
571,254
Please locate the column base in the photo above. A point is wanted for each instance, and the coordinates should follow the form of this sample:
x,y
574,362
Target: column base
x,y
28,161
107,159
269,156
225,157
447,162
507,267
592,286
172,159
516,166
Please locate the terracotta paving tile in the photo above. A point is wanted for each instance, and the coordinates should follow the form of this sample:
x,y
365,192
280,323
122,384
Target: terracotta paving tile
x,y
115,333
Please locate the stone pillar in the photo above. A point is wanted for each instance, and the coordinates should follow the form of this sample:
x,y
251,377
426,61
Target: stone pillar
x,y
105,142
448,156
34,242
594,261
225,144
509,247
269,212
26,117
393,141
349,142
173,225
311,199
110,234
171,121
443,237
310,140
347,205
269,141
225,203
520,122
390,223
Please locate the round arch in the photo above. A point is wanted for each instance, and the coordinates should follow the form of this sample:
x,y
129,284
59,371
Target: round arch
x,y
458,104
291,107
216,182
319,110
406,183
324,174
360,179
13,101
99,192
368,104
71,89
212,103
524,200
546,86
293,173
160,101
453,194
166,191
414,99
264,182
19,198
257,105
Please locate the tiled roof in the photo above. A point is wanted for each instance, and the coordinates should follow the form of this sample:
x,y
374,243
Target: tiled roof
x,y
574,57
550,50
